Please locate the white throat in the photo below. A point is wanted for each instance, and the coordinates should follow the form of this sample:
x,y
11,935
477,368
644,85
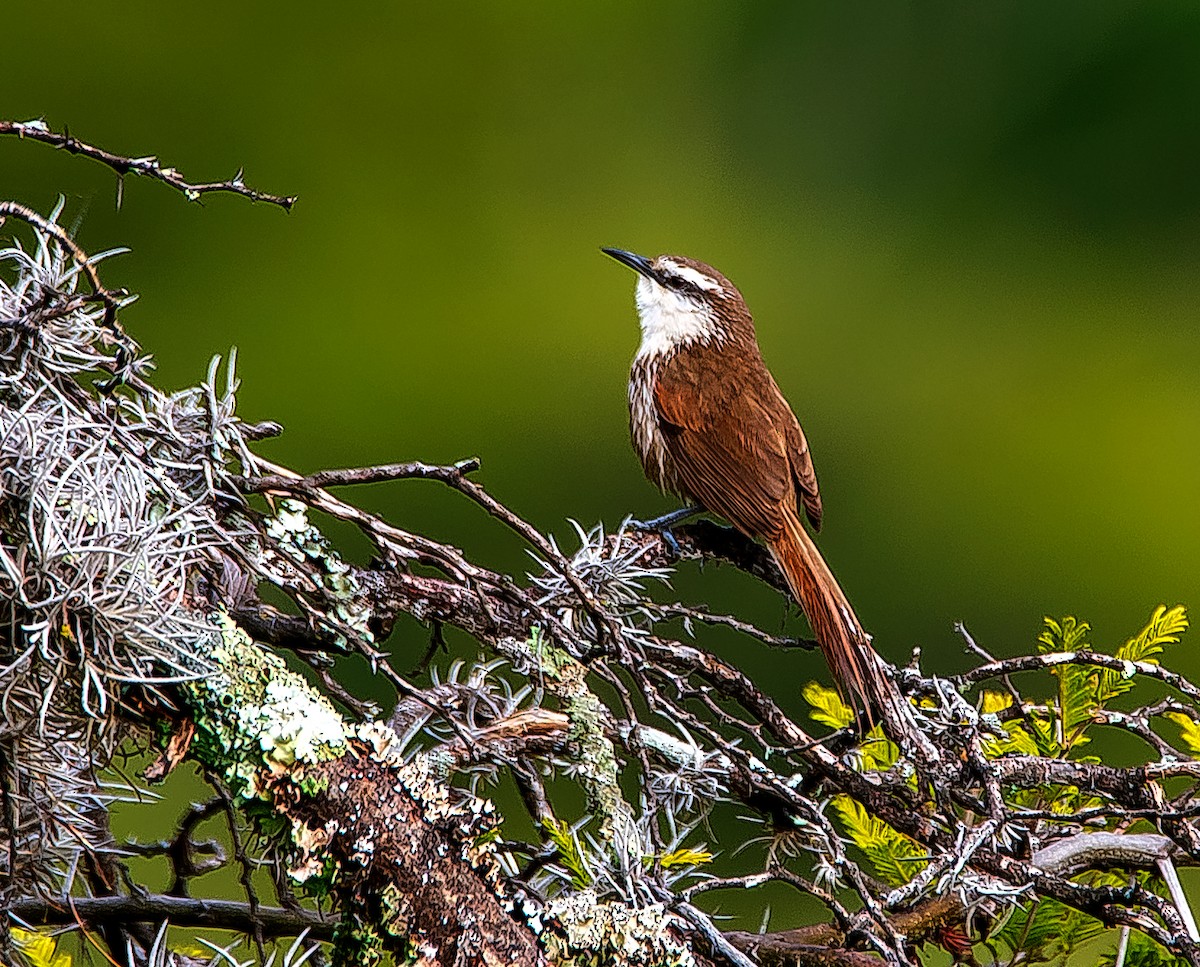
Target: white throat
x,y
671,320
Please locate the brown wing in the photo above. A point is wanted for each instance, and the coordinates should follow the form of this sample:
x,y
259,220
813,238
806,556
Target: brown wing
x,y
735,444
803,471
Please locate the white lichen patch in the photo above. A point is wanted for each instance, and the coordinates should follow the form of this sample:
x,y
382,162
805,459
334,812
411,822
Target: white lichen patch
x,y
294,724
298,540
260,722
258,715
613,934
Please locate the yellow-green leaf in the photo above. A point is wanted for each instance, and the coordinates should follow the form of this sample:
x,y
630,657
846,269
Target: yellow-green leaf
x,y
827,706
1016,740
38,949
685,857
895,857
1189,730
569,852
1165,627
992,702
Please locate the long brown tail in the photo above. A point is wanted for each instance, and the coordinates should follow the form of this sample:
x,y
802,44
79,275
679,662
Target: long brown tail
x,y
846,647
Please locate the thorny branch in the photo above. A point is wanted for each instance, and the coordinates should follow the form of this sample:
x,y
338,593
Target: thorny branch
x,y
581,680
146,167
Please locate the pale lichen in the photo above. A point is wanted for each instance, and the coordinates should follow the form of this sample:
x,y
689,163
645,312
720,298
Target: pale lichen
x,y
261,724
595,934
593,756
295,537
254,715
258,723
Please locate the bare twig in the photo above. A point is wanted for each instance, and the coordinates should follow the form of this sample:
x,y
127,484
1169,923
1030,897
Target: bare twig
x,y
147,167
181,911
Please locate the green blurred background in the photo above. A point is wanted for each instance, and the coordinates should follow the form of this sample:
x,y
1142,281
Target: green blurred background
x,y
968,232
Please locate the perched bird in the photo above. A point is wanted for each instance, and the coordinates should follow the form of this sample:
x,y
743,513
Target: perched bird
x,y
711,426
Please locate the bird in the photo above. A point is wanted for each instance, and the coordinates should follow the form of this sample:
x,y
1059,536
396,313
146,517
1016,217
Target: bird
x,y
711,426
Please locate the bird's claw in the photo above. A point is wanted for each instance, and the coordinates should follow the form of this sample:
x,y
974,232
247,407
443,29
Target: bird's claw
x,y
662,526
663,523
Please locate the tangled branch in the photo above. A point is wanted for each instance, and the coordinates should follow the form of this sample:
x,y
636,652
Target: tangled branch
x,y
144,553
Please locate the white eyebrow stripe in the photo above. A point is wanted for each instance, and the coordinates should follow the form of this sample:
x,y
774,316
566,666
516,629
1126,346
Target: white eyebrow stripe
x,y
698,279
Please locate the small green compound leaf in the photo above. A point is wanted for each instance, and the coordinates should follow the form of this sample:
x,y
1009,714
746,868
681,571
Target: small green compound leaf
x,y
895,857
1165,628
1144,952
1048,932
39,949
875,752
1076,704
1189,730
1015,738
569,852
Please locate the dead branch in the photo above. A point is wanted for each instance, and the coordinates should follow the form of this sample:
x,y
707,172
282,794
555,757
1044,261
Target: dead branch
x,y
146,167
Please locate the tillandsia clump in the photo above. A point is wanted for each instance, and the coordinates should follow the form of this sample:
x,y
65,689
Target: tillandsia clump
x,y
583,782
109,522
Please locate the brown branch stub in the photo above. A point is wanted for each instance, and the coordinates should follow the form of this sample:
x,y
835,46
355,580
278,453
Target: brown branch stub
x,y
147,167
820,945
176,748
536,731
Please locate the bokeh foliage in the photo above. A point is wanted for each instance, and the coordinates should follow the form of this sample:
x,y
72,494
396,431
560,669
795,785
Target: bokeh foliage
x,y
968,232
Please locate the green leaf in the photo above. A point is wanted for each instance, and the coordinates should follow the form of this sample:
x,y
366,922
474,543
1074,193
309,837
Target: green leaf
x,y
895,857
488,836
1165,627
1015,740
827,706
569,852
1045,732
1077,703
875,752
1048,932
1144,952
1065,635
685,857
39,949
1189,730
1075,708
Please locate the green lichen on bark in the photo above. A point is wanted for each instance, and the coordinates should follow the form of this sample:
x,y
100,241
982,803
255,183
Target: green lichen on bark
x,y
259,724
598,769
303,543
253,715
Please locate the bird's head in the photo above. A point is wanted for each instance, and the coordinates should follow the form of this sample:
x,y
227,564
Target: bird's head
x,y
681,300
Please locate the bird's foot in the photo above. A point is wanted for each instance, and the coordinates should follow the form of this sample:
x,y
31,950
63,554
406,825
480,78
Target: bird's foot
x,y
666,520
662,526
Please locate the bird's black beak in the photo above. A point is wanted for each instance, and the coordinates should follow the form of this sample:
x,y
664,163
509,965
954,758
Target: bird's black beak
x,y
639,263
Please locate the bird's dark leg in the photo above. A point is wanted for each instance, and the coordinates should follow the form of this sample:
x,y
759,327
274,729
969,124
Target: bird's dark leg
x,y
663,524
666,520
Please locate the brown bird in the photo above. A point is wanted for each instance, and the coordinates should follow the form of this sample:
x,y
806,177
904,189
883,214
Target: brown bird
x,y
711,426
